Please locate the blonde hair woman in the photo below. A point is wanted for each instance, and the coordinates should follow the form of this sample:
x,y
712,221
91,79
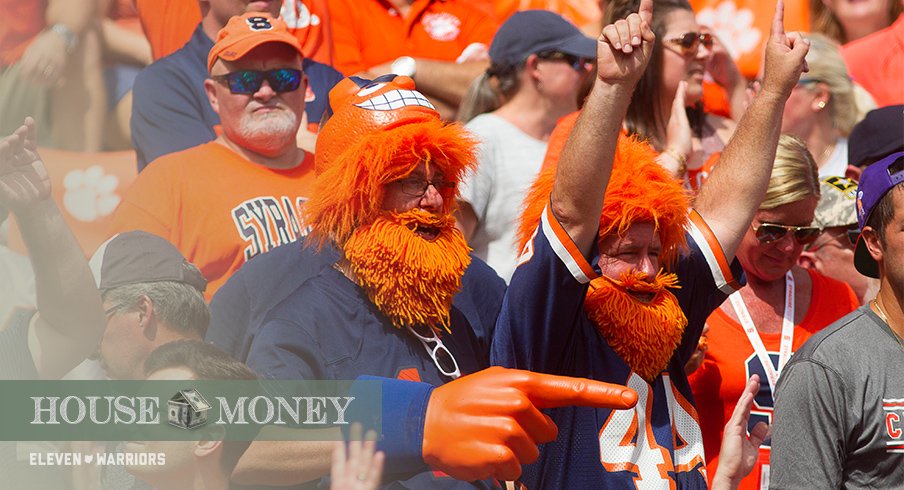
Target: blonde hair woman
x,y
781,305
823,108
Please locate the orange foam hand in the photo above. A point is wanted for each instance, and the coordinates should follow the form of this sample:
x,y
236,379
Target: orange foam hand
x,y
488,424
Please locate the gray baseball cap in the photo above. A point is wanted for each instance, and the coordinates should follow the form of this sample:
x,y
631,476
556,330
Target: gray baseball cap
x,y
837,203
137,257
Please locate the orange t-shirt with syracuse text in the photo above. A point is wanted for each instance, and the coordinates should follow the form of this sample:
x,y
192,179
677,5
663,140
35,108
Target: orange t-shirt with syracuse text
x,y
730,360
216,207
743,26
169,24
22,21
367,33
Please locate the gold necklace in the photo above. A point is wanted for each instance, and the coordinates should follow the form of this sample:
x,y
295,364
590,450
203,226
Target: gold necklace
x,y
884,318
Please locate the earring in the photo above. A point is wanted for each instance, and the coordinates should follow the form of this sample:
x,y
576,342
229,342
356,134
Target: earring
x,y
821,104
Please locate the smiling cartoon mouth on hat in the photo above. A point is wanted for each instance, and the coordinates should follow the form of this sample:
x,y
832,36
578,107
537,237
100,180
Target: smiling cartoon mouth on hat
x,y
395,99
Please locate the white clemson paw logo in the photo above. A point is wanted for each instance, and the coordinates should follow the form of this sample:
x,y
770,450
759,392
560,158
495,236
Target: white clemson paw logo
x,y
298,16
90,194
733,26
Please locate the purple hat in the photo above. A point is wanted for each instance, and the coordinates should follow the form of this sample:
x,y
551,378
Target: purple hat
x,y
876,180
137,257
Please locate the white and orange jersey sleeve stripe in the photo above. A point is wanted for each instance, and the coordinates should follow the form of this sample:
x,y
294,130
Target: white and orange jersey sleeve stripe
x,y
565,248
712,251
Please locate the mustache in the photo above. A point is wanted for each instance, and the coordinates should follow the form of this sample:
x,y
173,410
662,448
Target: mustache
x,y
413,218
640,282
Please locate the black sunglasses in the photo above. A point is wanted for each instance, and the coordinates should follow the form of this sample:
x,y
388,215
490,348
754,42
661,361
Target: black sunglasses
x,y
576,62
248,82
689,42
771,232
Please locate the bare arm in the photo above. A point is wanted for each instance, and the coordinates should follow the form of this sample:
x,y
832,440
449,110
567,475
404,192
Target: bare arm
x,y
70,321
745,166
447,80
623,50
45,59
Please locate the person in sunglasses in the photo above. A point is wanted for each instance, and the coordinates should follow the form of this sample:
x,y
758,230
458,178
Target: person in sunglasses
x,y
539,63
779,308
226,201
170,109
685,138
832,254
839,400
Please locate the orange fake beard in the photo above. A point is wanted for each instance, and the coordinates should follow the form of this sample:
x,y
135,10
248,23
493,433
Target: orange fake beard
x,y
409,278
643,334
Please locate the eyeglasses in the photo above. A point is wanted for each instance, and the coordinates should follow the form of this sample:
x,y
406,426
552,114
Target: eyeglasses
x,y
248,82
771,232
576,62
440,354
414,187
689,42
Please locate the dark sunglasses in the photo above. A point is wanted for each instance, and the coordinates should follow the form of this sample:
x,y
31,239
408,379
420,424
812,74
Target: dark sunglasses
x,y
248,82
689,42
576,62
852,235
771,232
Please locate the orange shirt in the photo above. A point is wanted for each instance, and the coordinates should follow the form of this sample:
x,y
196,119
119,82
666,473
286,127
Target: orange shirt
x,y
877,63
168,25
367,33
578,12
743,26
216,207
730,361
16,36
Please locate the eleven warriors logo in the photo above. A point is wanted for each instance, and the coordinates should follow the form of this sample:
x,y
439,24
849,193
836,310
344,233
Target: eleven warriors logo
x,y
442,26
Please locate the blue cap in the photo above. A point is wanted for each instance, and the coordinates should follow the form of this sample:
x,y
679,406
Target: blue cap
x,y
875,182
534,31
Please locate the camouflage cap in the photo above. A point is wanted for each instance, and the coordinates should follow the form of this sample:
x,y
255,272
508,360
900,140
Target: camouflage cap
x,y
837,202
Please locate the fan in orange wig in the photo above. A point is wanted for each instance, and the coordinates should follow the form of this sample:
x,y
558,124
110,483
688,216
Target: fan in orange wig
x,y
638,315
380,132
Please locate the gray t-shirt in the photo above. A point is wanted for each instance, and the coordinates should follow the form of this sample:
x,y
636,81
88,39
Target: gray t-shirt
x,y
839,409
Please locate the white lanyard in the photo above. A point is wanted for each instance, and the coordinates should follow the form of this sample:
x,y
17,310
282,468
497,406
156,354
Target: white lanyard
x,y
754,337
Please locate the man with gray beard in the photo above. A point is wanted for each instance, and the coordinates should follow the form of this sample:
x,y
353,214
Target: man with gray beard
x,y
255,177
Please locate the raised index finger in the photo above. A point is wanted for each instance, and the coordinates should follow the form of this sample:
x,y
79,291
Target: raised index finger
x,y
646,11
778,22
549,391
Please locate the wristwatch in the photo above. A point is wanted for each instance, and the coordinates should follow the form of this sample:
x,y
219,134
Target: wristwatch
x,y
405,66
66,33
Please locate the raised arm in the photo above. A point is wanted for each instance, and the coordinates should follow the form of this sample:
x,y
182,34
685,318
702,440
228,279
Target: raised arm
x,y
731,195
70,320
623,51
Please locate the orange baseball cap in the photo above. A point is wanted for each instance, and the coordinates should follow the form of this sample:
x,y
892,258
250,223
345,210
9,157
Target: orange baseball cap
x,y
246,32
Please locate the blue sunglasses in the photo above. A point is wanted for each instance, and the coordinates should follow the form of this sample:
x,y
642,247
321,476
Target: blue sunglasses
x,y
248,82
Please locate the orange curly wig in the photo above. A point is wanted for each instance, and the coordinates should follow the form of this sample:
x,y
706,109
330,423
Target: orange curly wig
x,y
379,132
639,190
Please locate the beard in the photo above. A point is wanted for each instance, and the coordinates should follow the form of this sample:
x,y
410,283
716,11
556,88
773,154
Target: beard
x,y
643,333
268,134
410,279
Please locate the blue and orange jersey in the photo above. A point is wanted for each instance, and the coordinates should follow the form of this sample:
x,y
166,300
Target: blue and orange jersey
x,y
543,328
